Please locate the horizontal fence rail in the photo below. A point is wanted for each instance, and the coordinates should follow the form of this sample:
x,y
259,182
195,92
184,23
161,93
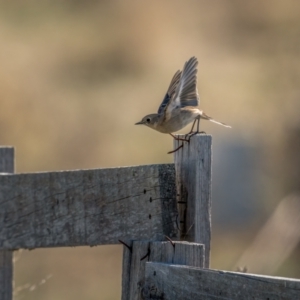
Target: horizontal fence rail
x,y
87,207
174,282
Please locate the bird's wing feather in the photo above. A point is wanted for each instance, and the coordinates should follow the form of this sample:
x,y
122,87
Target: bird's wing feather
x,y
186,93
170,91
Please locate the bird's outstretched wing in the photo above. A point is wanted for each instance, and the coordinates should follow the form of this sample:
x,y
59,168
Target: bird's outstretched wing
x,y
186,93
170,91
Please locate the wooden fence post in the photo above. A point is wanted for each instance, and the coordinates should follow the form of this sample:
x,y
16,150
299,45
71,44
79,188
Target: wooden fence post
x,y
6,256
193,181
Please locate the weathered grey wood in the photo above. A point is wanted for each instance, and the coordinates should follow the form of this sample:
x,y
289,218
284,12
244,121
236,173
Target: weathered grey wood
x,y
6,256
7,157
172,282
142,251
189,254
91,207
193,180
6,274
137,268
126,265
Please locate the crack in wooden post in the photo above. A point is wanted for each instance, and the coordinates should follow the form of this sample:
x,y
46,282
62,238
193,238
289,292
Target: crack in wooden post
x,y
193,182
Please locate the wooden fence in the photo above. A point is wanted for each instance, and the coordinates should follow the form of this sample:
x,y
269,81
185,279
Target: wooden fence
x,y
161,213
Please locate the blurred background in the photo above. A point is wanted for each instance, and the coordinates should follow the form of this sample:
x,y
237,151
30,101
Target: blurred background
x,y
76,75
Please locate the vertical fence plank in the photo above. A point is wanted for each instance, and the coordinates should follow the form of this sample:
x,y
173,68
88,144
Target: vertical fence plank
x,y
137,270
6,256
193,181
126,264
180,253
189,254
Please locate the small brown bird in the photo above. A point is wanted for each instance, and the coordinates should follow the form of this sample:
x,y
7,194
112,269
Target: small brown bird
x,y
179,107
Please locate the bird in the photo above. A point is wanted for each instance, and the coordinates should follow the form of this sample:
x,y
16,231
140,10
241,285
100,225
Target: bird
x,y
179,106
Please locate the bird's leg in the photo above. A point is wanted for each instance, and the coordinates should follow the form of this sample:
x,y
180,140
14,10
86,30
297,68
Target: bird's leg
x,y
179,147
178,139
193,126
187,135
198,125
191,133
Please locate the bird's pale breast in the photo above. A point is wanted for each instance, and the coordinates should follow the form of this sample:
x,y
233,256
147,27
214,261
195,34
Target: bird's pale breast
x,y
179,119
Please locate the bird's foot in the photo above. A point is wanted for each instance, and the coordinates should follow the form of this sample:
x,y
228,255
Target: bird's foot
x,y
192,133
186,139
178,138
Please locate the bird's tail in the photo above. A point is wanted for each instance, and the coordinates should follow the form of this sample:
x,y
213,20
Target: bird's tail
x,y
206,117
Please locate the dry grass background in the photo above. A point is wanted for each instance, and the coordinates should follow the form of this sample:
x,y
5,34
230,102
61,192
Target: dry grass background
x,y
75,76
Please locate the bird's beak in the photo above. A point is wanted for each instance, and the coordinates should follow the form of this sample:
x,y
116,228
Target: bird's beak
x,y
139,123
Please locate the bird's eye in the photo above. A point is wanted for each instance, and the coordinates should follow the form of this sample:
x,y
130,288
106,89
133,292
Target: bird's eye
x,y
148,120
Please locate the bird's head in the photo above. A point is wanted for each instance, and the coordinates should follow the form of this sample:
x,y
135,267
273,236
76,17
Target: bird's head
x,y
149,120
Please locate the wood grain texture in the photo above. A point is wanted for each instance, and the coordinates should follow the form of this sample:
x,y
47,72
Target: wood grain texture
x,y
6,256
193,180
172,282
181,253
137,268
87,207
126,265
